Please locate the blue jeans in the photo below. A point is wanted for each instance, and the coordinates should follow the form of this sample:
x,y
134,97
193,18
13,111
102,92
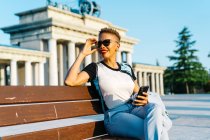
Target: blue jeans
x,y
138,122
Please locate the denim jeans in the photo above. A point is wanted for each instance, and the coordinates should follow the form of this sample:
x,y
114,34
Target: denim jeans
x,y
138,122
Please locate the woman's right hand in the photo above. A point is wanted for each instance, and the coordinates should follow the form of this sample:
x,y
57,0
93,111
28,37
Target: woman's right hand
x,y
87,47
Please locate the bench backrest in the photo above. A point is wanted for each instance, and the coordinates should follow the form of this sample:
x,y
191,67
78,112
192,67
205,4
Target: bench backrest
x,y
49,112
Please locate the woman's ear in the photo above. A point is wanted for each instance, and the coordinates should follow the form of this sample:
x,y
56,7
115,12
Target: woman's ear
x,y
118,47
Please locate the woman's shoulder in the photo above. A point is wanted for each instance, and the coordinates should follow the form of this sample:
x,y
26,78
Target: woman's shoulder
x,y
125,64
125,67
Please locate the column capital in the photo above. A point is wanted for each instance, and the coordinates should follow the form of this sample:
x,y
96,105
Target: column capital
x,y
52,39
28,61
72,41
14,60
41,62
161,73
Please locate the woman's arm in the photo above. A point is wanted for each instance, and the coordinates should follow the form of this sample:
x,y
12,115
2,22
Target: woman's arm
x,y
74,78
136,87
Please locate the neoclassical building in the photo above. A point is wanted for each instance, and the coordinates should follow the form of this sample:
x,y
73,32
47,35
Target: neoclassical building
x,y
150,75
47,41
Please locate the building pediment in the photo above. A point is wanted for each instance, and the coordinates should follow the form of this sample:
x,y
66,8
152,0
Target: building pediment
x,y
46,17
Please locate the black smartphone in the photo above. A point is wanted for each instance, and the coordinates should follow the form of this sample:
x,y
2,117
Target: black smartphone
x,y
143,89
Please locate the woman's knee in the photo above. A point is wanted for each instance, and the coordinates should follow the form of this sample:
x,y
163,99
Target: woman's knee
x,y
125,125
153,108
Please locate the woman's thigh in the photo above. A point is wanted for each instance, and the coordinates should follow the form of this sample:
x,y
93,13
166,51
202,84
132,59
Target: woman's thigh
x,y
125,125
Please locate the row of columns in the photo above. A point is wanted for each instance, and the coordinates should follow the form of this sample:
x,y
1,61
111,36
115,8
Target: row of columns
x,y
56,72
39,73
156,81
54,78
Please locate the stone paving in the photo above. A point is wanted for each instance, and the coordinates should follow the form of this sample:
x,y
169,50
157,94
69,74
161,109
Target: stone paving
x,y
190,115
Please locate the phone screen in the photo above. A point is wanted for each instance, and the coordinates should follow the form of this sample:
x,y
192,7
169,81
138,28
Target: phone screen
x,y
143,89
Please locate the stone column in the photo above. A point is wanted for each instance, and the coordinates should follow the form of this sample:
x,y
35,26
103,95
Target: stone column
x,y
140,78
36,74
61,80
28,73
88,60
157,83
71,53
153,81
161,84
13,72
95,57
41,73
119,57
53,71
2,75
145,78
129,59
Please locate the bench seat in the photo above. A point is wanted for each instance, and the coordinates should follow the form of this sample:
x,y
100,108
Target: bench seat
x,y
50,113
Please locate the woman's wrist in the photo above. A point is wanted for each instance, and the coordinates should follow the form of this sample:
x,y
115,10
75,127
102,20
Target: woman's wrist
x,y
82,55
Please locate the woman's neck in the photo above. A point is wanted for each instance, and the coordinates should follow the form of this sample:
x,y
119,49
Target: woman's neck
x,y
111,63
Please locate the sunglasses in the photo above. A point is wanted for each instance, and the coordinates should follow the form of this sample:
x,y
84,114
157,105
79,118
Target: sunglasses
x,y
105,42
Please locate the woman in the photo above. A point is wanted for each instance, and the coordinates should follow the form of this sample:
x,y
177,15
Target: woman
x,y
125,115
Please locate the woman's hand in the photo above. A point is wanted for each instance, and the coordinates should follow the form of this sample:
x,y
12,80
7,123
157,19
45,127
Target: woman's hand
x,y
87,47
141,100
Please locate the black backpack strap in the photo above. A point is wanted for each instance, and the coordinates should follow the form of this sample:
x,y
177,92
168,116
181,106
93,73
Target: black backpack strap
x,y
95,82
126,68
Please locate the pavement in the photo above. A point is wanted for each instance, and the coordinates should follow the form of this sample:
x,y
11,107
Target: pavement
x,y
190,115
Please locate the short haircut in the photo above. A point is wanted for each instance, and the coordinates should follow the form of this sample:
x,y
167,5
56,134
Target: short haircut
x,y
111,31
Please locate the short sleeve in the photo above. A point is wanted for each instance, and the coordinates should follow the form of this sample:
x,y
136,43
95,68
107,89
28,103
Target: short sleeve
x,y
91,70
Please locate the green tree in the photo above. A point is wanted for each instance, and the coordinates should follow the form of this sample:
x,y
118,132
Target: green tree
x,y
186,71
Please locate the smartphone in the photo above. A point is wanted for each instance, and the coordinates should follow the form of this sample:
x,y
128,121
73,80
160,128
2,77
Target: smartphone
x,y
143,89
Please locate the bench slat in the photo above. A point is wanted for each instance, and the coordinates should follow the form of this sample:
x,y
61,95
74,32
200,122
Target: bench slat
x,y
27,113
24,94
75,132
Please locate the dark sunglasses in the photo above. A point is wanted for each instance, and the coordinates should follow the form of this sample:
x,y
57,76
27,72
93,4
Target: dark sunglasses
x,y
105,42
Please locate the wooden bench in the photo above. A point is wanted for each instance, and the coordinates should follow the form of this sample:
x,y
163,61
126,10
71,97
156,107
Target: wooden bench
x,y
50,113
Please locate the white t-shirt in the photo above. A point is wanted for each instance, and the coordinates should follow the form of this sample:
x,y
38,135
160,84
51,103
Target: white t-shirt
x,y
115,85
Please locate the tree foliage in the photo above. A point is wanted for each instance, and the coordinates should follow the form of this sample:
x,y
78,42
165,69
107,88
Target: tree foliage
x,y
187,74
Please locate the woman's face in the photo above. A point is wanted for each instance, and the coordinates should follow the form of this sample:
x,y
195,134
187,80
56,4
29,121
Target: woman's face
x,y
108,45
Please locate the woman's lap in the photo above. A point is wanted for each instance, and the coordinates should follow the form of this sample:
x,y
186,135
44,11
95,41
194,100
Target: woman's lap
x,y
125,125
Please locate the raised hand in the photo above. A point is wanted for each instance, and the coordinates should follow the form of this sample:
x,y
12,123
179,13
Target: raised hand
x,y
87,47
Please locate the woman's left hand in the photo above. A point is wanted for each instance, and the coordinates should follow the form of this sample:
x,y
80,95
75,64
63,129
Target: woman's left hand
x,y
141,100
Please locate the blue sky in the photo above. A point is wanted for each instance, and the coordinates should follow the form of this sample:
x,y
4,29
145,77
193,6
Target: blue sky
x,y
156,23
